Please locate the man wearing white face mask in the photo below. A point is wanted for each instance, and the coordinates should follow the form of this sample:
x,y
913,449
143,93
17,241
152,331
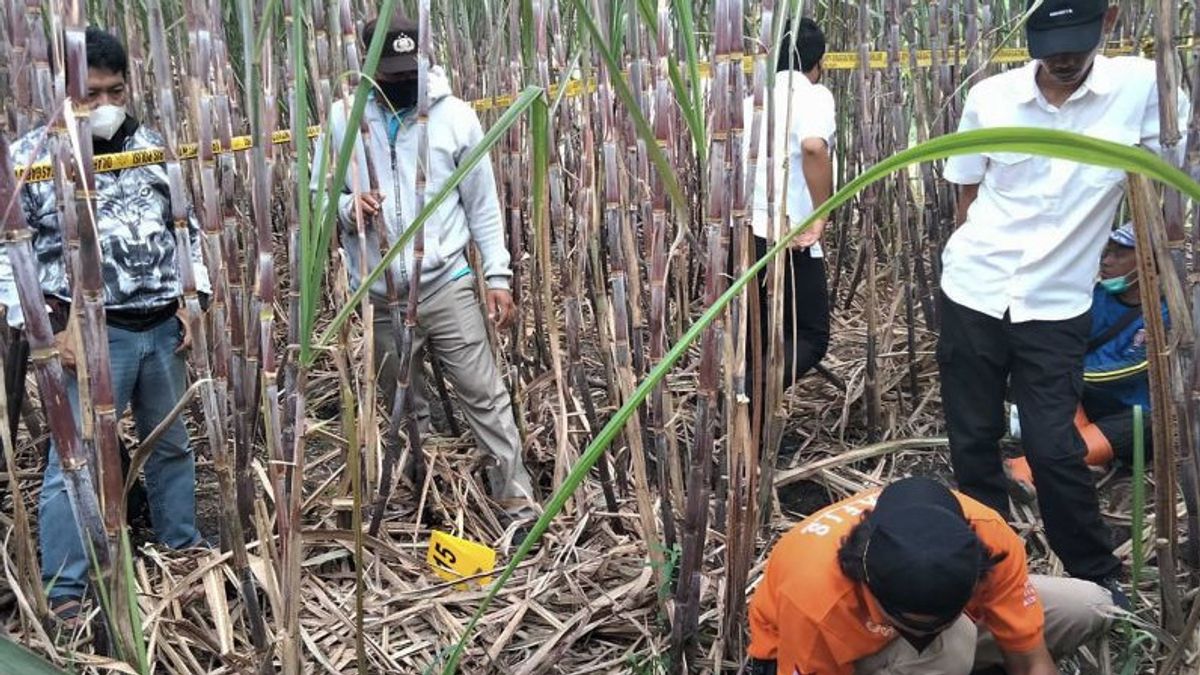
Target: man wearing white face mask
x,y
1116,373
142,289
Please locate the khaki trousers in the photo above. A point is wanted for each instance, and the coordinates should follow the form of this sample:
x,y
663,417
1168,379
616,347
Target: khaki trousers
x,y
450,325
1076,612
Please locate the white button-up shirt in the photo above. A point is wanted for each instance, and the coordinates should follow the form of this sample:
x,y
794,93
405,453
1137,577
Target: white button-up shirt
x,y
1032,240
812,116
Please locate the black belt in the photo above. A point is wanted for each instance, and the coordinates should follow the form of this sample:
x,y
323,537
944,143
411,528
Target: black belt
x,y
141,320
133,320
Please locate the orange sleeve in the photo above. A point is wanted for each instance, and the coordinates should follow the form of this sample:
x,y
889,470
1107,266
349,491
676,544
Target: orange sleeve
x,y
1009,606
764,622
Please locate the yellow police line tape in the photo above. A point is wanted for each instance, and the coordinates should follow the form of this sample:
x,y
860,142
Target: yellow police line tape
x,y
42,172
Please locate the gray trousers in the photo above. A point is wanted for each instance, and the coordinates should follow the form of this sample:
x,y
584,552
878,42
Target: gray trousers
x,y
1076,611
450,325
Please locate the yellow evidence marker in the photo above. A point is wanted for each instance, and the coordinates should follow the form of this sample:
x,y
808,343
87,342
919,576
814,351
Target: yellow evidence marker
x,y
452,558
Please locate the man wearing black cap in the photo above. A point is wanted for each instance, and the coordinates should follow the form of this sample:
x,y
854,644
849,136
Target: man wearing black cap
x,y
914,579
449,321
1018,272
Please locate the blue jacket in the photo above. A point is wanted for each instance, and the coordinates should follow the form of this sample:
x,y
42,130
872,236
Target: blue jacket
x,y
1117,370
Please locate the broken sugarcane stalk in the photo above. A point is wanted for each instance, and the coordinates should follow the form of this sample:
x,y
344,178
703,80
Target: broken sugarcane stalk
x,y
1144,205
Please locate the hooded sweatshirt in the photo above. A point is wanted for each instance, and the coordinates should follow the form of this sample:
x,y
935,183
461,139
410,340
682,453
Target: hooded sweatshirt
x,y
471,213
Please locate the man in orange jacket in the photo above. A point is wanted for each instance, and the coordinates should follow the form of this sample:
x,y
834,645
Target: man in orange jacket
x,y
913,579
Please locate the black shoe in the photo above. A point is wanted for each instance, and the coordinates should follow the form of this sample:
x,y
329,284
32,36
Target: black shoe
x,y
1113,586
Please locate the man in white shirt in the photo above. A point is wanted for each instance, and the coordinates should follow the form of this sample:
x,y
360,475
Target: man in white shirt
x,y
1018,272
803,179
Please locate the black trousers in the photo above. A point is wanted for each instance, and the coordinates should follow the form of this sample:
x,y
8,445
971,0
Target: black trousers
x,y
977,356
805,312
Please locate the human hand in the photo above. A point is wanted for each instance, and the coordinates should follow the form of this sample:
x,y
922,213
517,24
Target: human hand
x,y
65,346
810,236
500,307
185,340
369,202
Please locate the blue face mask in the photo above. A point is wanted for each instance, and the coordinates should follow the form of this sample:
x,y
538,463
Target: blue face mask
x,y
1117,285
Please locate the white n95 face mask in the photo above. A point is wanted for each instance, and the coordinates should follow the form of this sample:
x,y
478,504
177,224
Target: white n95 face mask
x,y
106,119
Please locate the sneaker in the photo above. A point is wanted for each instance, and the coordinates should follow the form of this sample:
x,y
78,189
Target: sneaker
x,y
1113,586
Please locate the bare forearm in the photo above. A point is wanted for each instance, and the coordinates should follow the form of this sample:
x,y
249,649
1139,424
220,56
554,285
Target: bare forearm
x,y
818,173
966,197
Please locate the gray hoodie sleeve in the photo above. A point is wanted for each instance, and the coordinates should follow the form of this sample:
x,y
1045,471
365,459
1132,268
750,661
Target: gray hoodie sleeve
x,y
330,141
477,192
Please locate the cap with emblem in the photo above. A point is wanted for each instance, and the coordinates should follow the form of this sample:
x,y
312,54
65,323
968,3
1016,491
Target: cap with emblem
x,y
1065,26
399,56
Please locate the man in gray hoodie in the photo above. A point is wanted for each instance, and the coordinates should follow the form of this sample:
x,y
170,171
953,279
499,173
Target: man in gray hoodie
x,y
449,321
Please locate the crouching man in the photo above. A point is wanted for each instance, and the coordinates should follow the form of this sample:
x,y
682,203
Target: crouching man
x,y
914,579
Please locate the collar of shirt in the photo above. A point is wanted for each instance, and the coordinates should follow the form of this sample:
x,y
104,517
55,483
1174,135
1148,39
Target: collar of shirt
x,y
394,119
1099,81
1032,241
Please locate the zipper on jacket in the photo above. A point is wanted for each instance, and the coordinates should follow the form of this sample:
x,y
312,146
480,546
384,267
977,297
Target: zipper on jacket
x,y
399,205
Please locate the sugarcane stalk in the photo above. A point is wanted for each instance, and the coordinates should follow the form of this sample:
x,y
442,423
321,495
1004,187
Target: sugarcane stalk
x,y
777,224
613,214
52,383
684,642
1149,226
214,372
1191,164
664,452
590,263
513,195
575,260
898,137
404,399
740,527
24,538
869,214
1169,78
96,395
350,50
549,209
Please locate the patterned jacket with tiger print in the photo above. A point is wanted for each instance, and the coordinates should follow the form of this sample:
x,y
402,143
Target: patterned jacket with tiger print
x,y
133,220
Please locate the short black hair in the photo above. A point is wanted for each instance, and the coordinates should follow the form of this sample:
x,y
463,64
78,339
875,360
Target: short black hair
x,y
854,548
808,49
105,52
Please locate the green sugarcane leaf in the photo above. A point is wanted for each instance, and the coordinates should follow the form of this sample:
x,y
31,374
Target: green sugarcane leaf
x,y
477,154
687,29
1044,142
18,660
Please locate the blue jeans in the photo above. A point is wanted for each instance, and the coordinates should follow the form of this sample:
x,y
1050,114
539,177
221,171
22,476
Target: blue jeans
x,y
147,373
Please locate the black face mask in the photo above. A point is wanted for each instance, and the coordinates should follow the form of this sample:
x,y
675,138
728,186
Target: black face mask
x,y
919,642
400,95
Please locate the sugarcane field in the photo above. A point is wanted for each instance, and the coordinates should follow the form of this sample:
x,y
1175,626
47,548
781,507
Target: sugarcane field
x,y
762,337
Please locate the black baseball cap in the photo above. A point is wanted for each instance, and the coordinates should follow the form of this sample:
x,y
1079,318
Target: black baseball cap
x,y
922,556
1065,26
399,56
